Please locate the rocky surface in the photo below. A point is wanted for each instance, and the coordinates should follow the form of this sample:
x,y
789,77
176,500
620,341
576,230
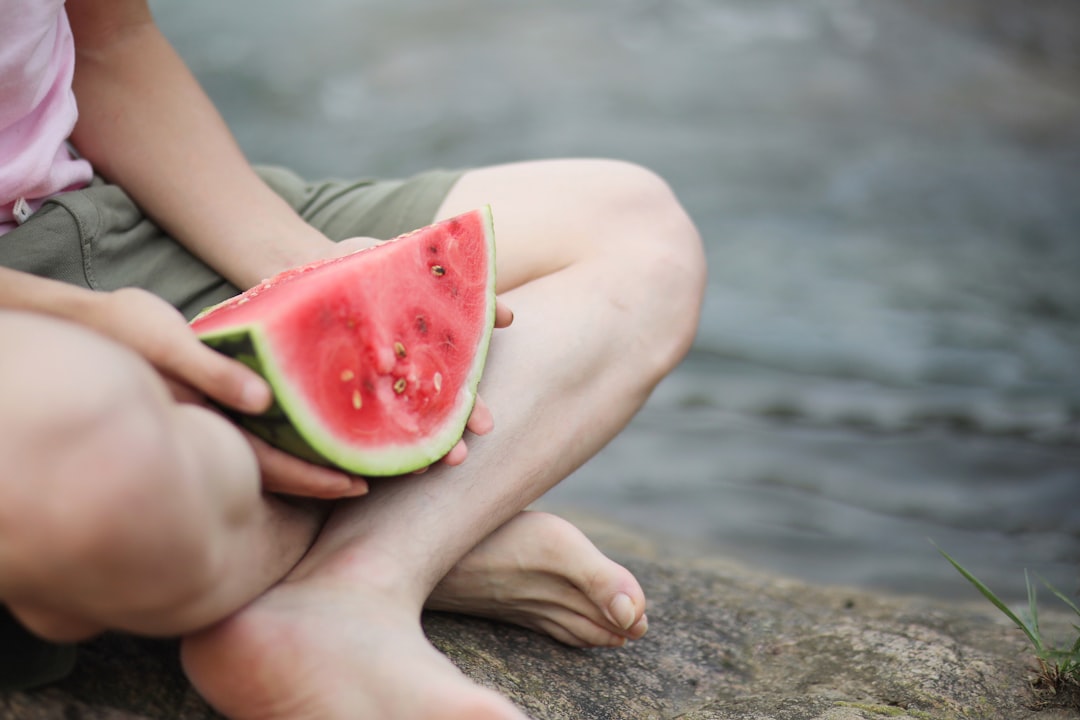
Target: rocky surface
x,y
724,644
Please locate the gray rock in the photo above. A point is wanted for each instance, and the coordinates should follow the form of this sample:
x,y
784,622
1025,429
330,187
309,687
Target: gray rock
x,y
724,643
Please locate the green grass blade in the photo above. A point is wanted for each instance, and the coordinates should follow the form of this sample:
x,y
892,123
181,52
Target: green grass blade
x,y
1033,604
1060,595
996,602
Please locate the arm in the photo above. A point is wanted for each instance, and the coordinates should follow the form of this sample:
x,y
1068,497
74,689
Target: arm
x,y
154,329
145,124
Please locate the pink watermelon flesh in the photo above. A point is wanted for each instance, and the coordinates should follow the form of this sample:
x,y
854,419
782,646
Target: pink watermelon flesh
x,y
374,358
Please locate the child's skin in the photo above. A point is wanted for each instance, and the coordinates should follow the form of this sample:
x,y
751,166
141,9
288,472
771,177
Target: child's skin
x,y
126,504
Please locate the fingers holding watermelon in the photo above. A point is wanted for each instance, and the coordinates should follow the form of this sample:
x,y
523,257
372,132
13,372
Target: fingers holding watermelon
x,y
503,314
281,472
159,333
287,474
481,421
375,356
194,373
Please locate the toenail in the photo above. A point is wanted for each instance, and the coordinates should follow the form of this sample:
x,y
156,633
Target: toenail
x,y
622,611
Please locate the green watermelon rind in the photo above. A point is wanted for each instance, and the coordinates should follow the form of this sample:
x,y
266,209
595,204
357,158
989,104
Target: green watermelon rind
x,y
274,425
291,426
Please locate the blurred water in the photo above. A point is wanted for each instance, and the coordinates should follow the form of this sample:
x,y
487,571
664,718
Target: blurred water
x,y
891,207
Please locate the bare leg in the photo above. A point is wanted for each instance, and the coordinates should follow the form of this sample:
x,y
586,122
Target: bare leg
x,y
540,572
604,272
118,507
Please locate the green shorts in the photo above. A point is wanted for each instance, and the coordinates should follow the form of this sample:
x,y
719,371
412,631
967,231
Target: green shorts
x,y
99,239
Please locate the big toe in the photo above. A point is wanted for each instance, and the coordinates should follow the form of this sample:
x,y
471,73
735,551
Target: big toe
x,y
608,585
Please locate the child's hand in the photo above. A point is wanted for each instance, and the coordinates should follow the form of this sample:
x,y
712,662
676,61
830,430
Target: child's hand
x,y
159,333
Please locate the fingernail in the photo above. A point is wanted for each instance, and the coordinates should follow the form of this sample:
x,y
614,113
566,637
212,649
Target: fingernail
x,y
640,628
621,611
254,395
359,487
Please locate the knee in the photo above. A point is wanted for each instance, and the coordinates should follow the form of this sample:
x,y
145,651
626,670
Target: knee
x,y
93,488
657,250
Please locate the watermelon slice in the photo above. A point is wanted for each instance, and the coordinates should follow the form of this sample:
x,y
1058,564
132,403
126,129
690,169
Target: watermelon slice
x,y
374,358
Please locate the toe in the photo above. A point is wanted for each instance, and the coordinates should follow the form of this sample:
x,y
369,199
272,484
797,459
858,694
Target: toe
x,y
582,631
622,611
608,585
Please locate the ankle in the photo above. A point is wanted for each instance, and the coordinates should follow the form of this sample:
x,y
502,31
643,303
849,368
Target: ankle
x,y
376,572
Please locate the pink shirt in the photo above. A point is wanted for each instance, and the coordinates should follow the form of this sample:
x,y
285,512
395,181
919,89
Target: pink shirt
x,y
37,107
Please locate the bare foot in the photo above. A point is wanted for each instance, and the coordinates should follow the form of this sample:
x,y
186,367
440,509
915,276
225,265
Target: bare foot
x,y
322,648
338,640
541,572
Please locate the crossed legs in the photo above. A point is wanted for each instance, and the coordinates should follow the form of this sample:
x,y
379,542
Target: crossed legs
x,y
118,507
604,273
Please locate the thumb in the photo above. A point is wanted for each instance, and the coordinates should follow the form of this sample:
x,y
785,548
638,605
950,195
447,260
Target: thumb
x,y
222,378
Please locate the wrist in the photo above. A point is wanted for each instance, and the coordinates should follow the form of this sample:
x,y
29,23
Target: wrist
x,y
280,248
249,247
30,293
